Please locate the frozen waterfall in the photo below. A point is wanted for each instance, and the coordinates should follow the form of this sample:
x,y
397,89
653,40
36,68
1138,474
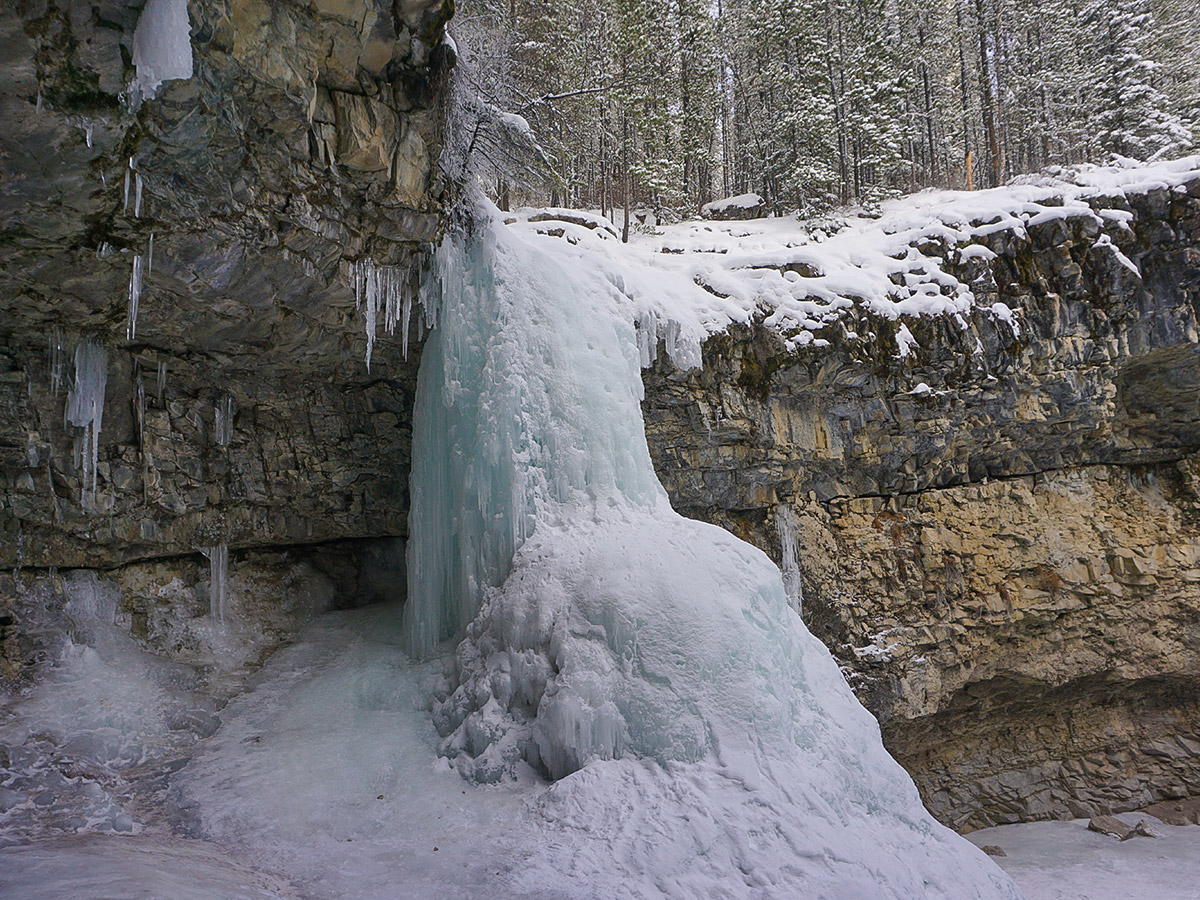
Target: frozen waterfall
x,y
701,741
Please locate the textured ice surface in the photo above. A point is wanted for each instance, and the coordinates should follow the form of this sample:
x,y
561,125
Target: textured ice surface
x,y
85,410
162,50
703,742
142,868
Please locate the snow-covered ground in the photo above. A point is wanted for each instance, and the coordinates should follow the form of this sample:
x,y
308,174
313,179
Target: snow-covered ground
x,y
1065,861
693,278
323,783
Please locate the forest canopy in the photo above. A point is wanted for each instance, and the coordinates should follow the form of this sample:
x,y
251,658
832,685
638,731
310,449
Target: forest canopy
x,y
814,103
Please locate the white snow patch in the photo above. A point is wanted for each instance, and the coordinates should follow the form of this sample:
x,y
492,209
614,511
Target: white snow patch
x,y
1065,861
798,277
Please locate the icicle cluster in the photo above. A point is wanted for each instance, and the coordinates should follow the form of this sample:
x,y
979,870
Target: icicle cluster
x,y
683,351
385,287
85,409
135,292
793,585
218,577
224,420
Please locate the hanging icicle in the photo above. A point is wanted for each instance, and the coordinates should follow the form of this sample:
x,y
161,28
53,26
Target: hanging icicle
x,y
224,420
141,410
128,177
386,288
162,379
793,585
135,293
55,355
218,576
85,409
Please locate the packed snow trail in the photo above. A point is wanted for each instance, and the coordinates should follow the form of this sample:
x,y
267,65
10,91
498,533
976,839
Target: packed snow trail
x,y
702,741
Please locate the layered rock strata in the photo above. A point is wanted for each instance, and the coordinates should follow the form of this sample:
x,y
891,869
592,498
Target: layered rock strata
x,y
996,535
237,408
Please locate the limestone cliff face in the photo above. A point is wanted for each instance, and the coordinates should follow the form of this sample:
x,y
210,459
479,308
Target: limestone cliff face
x,y
307,138
1006,562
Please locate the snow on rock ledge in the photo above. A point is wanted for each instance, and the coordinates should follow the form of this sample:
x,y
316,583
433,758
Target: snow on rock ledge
x,y
798,277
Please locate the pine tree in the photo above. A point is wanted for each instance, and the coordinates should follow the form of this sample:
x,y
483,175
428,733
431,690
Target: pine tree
x,y
1131,115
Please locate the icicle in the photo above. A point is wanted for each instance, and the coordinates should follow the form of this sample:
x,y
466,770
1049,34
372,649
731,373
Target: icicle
x,y
135,292
647,338
137,194
162,379
104,250
386,288
128,172
88,126
103,181
150,254
405,316
793,584
141,410
56,359
85,409
218,576
224,420
39,101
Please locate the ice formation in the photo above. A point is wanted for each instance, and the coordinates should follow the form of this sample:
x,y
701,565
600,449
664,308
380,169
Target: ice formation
x,y
385,287
162,46
55,359
218,580
793,585
223,420
135,293
162,378
701,740
85,409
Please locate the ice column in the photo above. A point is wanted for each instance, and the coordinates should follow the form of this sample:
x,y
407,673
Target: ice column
x,y
653,658
224,420
56,359
218,577
793,584
85,408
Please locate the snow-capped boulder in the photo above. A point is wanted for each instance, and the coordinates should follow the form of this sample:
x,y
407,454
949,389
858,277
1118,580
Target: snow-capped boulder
x,y
743,206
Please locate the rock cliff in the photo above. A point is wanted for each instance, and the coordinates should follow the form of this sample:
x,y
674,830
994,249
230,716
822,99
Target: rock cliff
x,y
996,535
237,408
